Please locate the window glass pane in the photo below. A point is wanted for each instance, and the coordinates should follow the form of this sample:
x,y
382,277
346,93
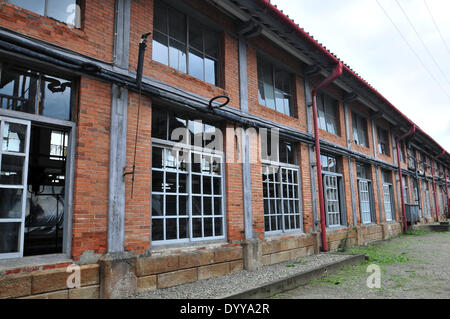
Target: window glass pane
x,y
55,98
37,6
177,55
62,10
157,181
211,44
18,89
321,113
171,205
331,124
268,86
160,17
183,228
211,67
261,96
196,205
14,137
171,229
196,64
217,206
279,101
160,49
157,205
218,226
159,124
287,105
197,227
177,131
183,202
10,203
177,25
11,172
157,229
195,36
9,237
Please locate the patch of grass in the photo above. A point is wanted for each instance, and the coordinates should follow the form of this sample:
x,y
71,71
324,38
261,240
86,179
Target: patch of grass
x,y
301,262
416,233
290,265
379,255
398,280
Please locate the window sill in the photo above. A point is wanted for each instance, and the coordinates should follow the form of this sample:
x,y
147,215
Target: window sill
x,y
33,262
186,246
187,76
279,235
275,112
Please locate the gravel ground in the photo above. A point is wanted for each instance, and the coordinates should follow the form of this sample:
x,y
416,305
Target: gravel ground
x,y
411,267
241,280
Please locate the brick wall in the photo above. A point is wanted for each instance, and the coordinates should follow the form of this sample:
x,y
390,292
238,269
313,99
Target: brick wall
x,y
94,38
90,202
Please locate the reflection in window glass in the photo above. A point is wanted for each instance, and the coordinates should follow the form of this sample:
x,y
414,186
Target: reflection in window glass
x,y
62,10
37,6
14,137
9,237
67,11
11,171
55,98
10,203
327,113
20,89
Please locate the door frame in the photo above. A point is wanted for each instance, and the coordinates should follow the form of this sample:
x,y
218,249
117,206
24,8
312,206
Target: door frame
x,y
70,169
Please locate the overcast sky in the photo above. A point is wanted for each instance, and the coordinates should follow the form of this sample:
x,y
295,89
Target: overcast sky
x,y
414,75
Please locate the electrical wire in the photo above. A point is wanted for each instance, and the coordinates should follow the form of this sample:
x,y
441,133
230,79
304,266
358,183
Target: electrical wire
x,y
423,42
437,27
412,49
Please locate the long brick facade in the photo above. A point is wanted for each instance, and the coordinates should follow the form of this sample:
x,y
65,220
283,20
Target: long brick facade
x,y
89,219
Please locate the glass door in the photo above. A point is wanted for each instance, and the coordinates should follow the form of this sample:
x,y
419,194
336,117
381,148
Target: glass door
x,y
331,194
387,201
14,149
364,200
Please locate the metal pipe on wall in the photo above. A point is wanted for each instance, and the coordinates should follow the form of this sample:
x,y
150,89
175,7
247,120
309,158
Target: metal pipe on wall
x,y
334,75
400,175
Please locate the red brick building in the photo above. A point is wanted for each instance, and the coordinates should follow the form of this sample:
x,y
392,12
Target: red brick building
x,y
100,171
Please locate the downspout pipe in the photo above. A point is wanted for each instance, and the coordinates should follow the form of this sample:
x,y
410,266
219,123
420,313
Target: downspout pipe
x,y
434,192
333,76
446,193
397,142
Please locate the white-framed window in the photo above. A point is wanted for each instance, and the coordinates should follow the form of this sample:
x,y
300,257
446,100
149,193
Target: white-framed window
x,y
332,206
281,190
332,189
388,195
365,193
187,189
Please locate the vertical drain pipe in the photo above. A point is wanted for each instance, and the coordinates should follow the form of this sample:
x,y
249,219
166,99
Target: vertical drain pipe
x,y
446,184
336,73
446,192
434,192
400,175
